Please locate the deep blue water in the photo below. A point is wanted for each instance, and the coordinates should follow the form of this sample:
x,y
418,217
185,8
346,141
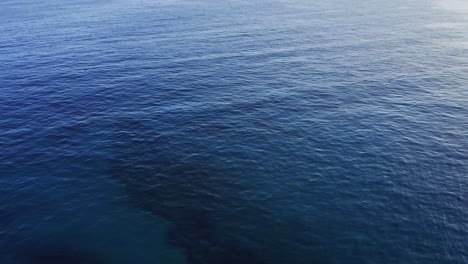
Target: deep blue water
x,y
254,132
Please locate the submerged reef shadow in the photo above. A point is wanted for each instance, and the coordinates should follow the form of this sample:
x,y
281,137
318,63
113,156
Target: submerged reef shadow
x,y
183,189
58,254
211,216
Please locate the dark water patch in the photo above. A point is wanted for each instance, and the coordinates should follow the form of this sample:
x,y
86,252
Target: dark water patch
x,y
7,216
60,255
186,191
215,215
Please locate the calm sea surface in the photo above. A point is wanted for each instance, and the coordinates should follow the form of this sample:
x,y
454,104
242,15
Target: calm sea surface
x,y
233,132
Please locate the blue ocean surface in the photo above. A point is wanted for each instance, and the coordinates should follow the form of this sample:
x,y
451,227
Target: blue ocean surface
x,y
246,132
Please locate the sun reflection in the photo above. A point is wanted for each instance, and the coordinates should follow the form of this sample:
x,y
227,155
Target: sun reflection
x,y
454,5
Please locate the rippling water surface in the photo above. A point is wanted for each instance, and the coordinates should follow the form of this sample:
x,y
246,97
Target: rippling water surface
x,y
207,132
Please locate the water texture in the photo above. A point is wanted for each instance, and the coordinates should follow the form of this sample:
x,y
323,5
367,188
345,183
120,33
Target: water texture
x,y
207,132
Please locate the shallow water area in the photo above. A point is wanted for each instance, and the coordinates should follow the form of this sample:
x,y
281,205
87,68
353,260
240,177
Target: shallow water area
x,y
56,218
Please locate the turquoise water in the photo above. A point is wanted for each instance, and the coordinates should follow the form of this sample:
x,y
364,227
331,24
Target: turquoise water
x,y
233,132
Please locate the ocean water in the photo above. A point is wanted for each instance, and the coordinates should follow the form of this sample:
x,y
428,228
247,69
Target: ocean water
x,y
254,132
